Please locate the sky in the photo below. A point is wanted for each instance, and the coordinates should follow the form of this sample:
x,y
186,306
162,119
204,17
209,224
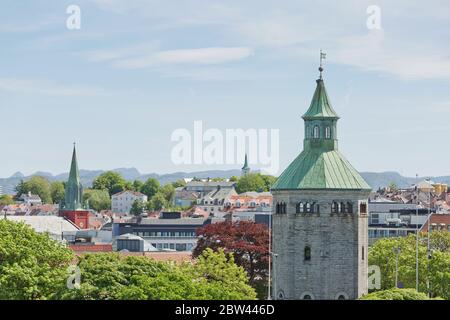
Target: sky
x,y
136,71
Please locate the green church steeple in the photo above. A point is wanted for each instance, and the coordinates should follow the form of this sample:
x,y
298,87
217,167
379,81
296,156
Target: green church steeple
x,y
245,169
74,189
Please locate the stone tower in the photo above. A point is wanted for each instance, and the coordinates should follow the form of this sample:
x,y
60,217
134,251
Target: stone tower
x,y
320,227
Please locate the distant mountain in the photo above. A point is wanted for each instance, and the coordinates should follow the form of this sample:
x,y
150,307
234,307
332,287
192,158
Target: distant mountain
x,y
374,179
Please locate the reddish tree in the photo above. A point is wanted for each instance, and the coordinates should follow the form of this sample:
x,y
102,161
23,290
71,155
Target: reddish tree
x,y
248,241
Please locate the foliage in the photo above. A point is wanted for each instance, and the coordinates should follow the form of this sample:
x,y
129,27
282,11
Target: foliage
x,y
234,179
57,191
98,199
36,185
179,183
436,269
137,208
6,199
111,181
396,294
150,187
254,182
393,187
249,243
32,265
169,192
107,276
158,202
137,185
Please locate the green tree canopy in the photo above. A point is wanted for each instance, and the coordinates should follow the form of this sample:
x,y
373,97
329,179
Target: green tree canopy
x,y
137,208
6,199
251,182
32,265
169,192
137,185
179,183
436,270
111,181
36,185
158,202
108,276
396,294
98,199
150,187
57,191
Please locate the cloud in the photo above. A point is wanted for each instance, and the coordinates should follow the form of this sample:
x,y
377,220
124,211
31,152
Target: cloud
x,y
374,52
40,86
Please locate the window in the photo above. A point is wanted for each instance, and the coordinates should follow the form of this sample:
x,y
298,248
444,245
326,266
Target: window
x,y
362,253
316,132
307,253
327,133
349,207
308,207
281,295
363,207
280,207
335,207
341,297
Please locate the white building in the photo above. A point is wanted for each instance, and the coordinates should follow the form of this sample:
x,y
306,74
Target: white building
x,y
31,199
121,202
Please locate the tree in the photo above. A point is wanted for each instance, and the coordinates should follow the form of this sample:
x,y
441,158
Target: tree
x,y
247,241
137,208
436,270
137,185
169,192
111,181
98,199
150,187
251,182
6,200
57,191
107,276
32,265
234,179
393,187
179,183
157,202
268,181
36,185
395,294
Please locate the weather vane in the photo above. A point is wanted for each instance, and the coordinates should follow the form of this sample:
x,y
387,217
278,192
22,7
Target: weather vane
x,y
323,55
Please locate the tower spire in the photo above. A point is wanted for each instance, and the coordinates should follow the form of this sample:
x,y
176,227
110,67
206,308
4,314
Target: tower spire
x,y
74,189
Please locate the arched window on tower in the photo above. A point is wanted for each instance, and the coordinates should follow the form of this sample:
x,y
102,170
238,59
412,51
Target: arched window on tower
x,y
334,207
316,132
349,207
342,207
308,207
299,207
307,253
277,208
327,133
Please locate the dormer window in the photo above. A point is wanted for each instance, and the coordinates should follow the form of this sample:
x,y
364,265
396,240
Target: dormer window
x,y
316,132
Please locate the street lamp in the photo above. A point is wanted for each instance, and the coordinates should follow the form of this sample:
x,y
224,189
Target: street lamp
x,y
417,234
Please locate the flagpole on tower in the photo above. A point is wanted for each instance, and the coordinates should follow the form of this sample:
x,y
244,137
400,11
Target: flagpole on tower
x,y
323,55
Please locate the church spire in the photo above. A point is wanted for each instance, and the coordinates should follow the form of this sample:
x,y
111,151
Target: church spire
x,y
74,189
245,168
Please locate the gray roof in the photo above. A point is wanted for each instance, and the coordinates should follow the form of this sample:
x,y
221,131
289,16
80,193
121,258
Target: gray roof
x,y
228,184
51,224
179,221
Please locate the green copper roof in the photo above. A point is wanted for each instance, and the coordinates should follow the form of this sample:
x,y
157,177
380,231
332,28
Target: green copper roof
x,y
320,165
320,106
74,189
314,169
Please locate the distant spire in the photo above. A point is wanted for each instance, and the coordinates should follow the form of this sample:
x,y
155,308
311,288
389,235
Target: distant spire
x,y
323,55
245,168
